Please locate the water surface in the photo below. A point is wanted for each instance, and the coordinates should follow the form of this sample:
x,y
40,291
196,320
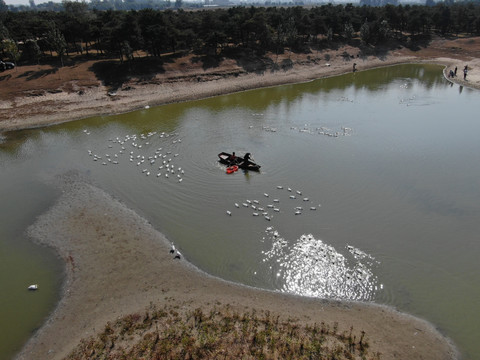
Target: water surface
x,y
383,164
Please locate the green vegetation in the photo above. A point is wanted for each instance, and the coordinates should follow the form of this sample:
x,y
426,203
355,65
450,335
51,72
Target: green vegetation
x,y
220,334
82,30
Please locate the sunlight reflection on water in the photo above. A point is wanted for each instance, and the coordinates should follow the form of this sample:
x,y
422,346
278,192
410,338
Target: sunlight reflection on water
x,y
310,267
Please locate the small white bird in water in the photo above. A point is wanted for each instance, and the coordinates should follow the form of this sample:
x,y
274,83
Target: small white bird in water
x,y
33,287
229,213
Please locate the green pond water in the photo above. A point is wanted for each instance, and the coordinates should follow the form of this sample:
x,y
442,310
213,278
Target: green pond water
x,y
370,182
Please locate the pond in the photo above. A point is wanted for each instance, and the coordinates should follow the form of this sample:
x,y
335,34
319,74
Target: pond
x,y
369,190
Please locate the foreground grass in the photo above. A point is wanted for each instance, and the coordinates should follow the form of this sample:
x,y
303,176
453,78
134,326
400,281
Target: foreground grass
x,y
170,333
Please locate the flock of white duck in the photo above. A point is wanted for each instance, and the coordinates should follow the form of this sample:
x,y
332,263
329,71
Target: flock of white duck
x,y
284,199
159,162
322,130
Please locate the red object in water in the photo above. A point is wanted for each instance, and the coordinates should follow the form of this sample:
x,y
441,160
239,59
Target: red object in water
x,y
232,169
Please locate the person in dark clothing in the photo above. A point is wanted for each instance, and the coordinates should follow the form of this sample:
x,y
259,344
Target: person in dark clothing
x,y
246,160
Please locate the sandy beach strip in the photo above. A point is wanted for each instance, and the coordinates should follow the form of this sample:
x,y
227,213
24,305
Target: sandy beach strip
x,y
57,107
116,264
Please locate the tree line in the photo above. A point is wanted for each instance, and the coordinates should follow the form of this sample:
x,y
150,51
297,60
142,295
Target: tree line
x,y
32,36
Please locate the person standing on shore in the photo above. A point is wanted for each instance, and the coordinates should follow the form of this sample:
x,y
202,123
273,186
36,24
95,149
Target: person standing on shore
x,y
455,71
465,72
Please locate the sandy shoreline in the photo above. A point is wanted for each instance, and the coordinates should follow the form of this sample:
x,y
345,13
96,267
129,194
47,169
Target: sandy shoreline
x,y
52,107
118,264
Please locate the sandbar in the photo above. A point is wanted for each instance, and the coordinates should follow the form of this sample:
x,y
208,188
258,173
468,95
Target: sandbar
x,y
117,263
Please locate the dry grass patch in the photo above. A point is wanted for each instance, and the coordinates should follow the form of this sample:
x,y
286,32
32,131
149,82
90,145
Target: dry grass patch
x,y
222,333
